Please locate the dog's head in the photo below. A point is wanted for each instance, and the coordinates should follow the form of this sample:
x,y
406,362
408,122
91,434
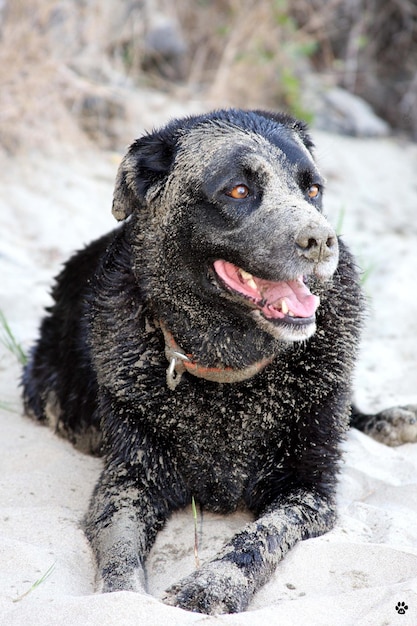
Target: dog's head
x,y
233,199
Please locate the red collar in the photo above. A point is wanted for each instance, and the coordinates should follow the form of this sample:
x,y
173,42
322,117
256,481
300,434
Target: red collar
x,y
179,362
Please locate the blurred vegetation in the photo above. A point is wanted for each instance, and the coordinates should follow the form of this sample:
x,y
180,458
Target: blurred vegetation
x,y
369,47
261,52
253,52
58,58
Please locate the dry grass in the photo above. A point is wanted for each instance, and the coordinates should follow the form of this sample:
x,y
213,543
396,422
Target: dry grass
x,y
31,77
246,52
59,60
42,91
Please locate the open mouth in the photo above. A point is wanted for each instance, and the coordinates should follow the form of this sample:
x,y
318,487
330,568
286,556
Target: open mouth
x,y
290,301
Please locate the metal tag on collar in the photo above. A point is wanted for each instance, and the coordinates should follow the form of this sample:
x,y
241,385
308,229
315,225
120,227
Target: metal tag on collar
x,y
176,368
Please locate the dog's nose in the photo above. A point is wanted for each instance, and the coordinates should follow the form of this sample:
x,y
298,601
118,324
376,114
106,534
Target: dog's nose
x,y
316,242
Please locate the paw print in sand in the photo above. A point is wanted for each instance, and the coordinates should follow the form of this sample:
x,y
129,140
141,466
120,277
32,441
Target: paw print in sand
x,y
401,608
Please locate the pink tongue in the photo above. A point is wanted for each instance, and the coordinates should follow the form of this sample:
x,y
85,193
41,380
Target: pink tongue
x,y
268,295
299,299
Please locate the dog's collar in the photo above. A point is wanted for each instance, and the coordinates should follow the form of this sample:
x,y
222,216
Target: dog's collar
x,y
179,362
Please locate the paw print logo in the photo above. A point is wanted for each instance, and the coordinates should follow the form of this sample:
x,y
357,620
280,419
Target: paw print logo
x,y
401,608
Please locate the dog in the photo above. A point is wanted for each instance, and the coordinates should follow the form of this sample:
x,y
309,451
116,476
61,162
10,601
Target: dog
x,y
205,348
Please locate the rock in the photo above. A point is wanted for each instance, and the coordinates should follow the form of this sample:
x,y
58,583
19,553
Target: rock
x,y
101,115
342,112
165,48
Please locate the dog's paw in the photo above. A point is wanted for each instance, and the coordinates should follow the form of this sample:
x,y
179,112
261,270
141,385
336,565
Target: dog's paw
x,y
394,426
217,587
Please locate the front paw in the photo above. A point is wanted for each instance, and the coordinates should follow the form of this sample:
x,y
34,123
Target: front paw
x,y
394,426
217,587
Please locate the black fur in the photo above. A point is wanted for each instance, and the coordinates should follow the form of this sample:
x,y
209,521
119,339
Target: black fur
x,y
98,371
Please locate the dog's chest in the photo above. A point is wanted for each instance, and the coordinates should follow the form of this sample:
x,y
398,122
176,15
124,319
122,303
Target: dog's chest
x,y
221,439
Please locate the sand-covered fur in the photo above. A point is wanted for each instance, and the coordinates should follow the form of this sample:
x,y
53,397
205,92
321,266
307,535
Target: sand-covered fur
x,y
206,348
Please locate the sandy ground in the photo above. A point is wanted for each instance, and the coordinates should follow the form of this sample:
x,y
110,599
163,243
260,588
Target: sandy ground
x,y
356,574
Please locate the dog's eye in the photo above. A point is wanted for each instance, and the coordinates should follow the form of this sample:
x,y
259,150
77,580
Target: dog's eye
x,y
240,192
313,191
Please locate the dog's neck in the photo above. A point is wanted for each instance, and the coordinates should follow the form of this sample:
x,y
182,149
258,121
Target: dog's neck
x,y
179,362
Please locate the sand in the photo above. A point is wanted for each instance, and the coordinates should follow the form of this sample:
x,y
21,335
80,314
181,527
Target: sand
x,y
358,573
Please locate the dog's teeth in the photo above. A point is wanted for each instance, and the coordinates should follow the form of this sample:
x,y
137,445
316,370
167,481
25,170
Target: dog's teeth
x,y
248,278
245,275
284,307
291,314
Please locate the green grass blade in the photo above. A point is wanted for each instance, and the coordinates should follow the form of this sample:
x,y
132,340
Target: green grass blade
x,y
196,557
9,341
36,583
9,407
340,220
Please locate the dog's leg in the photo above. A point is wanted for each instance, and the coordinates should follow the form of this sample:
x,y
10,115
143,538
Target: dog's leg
x,y
227,583
123,520
393,426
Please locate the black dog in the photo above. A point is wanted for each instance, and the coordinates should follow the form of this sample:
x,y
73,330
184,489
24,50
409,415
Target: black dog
x,y
206,349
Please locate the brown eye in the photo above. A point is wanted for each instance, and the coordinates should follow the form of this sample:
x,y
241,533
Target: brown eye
x,y
240,192
313,191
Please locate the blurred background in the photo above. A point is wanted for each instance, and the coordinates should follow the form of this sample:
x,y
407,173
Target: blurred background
x,y
104,69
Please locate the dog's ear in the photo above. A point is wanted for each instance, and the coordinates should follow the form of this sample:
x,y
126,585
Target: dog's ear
x,y
148,161
302,129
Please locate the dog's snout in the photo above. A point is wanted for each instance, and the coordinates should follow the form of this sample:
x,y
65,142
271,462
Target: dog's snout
x,y
316,242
